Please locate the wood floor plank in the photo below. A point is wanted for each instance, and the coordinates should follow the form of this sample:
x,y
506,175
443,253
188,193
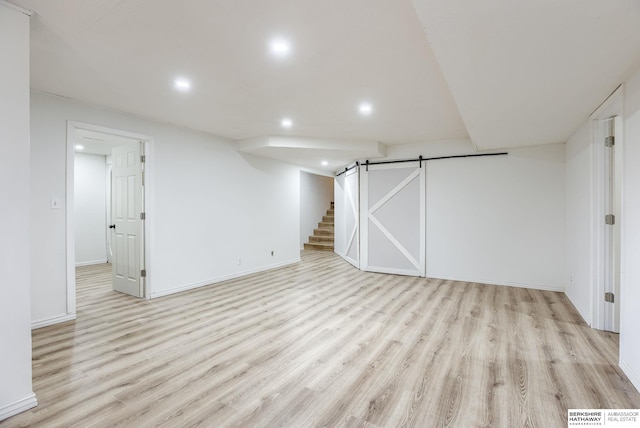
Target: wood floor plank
x,y
320,343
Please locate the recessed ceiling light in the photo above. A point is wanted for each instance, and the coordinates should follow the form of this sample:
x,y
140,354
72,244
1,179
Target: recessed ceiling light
x,y
286,122
280,47
325,163
182,84
79,147
365,109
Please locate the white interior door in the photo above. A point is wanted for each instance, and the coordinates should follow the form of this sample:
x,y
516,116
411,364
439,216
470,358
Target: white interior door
x,y
392,220
108,206
606,242
351,217
127,225
612,238
347,216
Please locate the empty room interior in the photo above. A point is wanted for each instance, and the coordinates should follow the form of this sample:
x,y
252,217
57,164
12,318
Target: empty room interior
x,y
319,213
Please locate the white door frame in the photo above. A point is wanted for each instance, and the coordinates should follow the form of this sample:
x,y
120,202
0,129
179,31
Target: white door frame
x,y
612,107
148,199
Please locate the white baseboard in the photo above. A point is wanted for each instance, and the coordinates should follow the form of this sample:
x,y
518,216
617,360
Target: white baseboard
x,y
454,278
392,271
344,256
91,262
19,406
353,262
498,282
631,374
187,287
51,321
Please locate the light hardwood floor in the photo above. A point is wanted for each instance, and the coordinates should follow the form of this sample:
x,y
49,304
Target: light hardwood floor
x,y
320,343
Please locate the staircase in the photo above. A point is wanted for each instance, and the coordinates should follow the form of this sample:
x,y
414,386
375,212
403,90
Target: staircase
x,y
322,238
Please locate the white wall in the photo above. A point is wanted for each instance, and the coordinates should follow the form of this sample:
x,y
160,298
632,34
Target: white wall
x,y
432,149
211,204
498,220
630,279
580,235
15,322
90,191
579,228
316,195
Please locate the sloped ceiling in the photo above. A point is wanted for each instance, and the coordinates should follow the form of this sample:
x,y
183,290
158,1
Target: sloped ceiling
x,y
504,73
530,72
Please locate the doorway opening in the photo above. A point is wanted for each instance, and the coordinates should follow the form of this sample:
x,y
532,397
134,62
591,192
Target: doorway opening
x,y
316,217
106,208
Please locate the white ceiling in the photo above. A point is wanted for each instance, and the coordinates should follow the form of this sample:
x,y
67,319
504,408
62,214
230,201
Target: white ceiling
x,y
327,154
504,73
528,72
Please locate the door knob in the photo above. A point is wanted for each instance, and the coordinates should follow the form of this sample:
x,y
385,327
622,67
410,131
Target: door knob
x,y
112,226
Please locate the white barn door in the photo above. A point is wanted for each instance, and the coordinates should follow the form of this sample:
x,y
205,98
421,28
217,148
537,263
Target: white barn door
x,y
393,218
347,227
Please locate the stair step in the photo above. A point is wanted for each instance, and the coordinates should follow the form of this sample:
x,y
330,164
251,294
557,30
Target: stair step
x,y
321,238
323,231
319,246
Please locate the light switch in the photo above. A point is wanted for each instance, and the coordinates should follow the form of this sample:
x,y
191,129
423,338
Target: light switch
x,y
55,203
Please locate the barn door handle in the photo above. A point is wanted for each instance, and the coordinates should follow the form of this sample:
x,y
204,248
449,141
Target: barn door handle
x,y
112,226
